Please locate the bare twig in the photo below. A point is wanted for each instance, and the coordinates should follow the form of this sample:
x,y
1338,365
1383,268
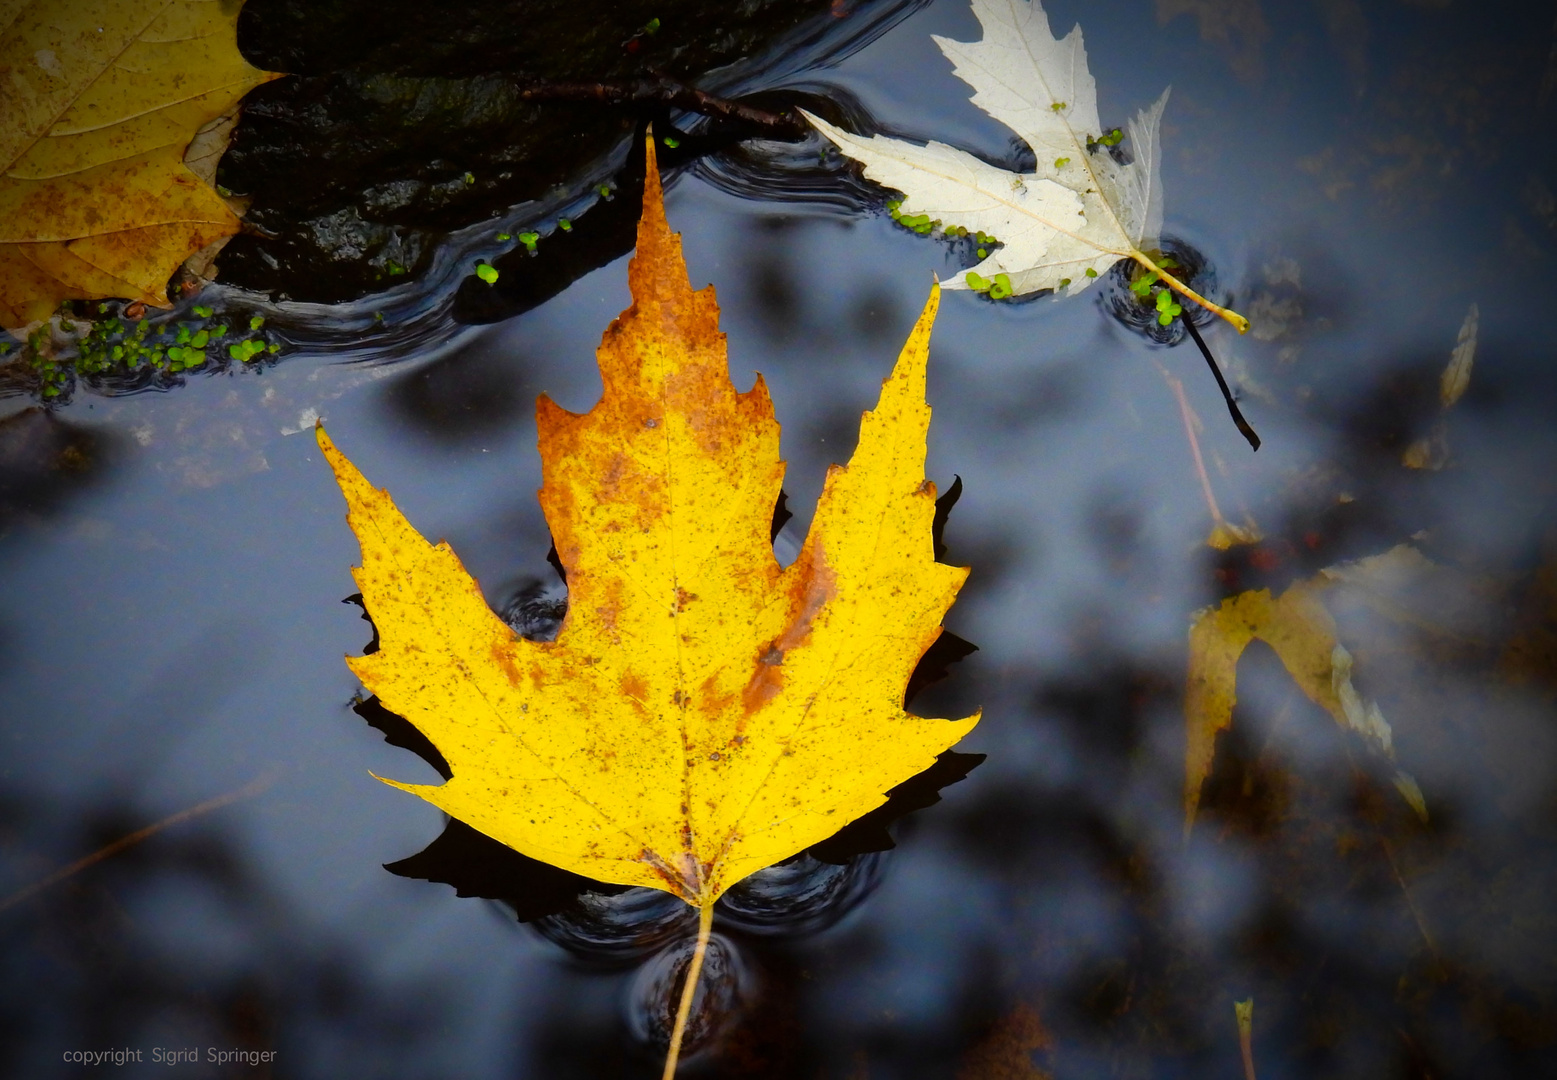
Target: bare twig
x,y
1191,421
662,89
253,787
1421,924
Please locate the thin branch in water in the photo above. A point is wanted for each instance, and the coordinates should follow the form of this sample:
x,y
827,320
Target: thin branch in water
x,y
1191,421
668,91
1227,395
1223,535
253,787
1421,924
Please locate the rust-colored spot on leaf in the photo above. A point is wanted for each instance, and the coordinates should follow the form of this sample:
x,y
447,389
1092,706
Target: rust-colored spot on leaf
x,y
503,657
634,686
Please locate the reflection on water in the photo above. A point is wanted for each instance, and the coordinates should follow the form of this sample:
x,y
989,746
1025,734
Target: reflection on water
x,y
1195,270
183,943
44,461
173,565
721,995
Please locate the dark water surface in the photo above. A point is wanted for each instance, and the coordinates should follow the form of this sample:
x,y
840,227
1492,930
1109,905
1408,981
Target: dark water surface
x,y
171,625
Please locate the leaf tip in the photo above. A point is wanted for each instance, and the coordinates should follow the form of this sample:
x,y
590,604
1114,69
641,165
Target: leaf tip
x,y
653,196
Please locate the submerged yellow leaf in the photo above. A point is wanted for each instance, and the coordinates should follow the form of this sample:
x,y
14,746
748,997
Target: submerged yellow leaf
x,y
1006,1052
703,712
1301,632
1456,374
1225,535
1431,451
101,100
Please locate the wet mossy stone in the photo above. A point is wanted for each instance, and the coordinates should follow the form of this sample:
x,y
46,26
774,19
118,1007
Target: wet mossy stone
x,y
404,120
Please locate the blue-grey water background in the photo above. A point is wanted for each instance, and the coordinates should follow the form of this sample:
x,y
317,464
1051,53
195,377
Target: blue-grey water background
x,y
172,567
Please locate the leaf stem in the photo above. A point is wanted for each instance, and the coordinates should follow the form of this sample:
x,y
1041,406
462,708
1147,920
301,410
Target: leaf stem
x,y
1245,1013
705,924
1227,395
1237,320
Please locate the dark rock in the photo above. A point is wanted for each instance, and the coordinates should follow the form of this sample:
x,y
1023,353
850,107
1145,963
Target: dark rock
x,y
401,123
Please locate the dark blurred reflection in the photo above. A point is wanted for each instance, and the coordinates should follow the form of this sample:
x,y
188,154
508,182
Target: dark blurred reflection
x,y
772,281
178,942
605,232
45,462
471,394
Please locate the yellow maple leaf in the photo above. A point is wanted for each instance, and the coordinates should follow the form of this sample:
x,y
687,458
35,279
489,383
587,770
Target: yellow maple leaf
x,y
1301,631
101,100
703,713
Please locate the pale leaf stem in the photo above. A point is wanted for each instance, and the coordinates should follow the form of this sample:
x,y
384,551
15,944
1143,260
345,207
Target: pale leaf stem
x,y
705,925
1237,320
1245,1014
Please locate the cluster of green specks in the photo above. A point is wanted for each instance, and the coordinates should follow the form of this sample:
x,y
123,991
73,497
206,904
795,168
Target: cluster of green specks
x,y
1145,287
1113,138
919,223
923,224
530,239
71,345
997,287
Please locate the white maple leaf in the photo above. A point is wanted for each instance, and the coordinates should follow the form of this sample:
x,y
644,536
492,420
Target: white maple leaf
x,y
1079,211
